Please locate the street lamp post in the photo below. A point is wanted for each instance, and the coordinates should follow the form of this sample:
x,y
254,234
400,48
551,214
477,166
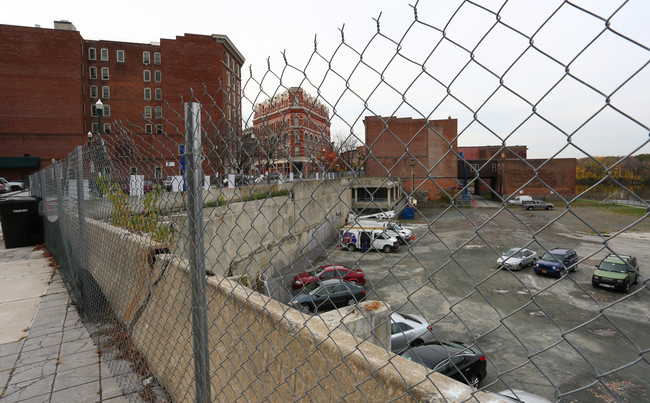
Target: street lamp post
x,y
99,106
90,137
253,171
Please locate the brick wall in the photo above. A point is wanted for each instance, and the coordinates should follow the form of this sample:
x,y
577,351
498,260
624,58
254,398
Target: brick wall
x,y
557,176
409,148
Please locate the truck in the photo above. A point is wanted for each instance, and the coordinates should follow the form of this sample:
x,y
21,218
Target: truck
x,y
519,200
404,235
352,238
7,186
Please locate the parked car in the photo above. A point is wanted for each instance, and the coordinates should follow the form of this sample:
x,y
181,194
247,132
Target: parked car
x,y
517,258
537,205
9,186
456,360
328,272
408,330
517,201
327,295
557,261
617,272
352,238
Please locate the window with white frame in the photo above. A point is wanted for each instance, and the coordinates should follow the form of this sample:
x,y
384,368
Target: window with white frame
x,y
104,73
93,91
120,56
147,128
104,54
146,57
156,58
106,92
92,72
134,170
92,54
158,76
94,128
146,76
158,94
157,173
158,111
159,129
107,128
107,110
147,94
147,112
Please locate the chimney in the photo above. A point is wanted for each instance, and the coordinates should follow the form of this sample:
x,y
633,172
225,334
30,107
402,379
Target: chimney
x,y
64,25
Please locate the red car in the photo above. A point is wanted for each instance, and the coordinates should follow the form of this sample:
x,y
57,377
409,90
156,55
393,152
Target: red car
x,y
329,272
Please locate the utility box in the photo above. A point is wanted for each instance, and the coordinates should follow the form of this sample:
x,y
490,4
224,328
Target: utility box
x,y
408,213
21,223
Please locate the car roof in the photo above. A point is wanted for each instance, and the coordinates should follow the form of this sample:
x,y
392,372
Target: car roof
x,y
418,320
334,266
560,251
333,281
616,259
434,352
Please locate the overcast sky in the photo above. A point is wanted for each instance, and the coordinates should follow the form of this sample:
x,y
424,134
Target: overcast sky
x,y
491,95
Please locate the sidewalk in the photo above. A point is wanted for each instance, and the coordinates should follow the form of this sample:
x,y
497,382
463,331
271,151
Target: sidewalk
x,y
46,353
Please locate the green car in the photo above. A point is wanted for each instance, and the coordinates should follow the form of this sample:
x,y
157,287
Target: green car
x,y
617,272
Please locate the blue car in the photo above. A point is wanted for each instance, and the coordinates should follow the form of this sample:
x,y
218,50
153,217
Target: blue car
x,y
556,262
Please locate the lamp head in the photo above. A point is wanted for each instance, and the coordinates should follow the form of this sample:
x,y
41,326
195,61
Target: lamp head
x,y
99,105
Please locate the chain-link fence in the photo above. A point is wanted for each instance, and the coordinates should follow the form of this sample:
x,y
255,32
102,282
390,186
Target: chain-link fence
x,y
206,258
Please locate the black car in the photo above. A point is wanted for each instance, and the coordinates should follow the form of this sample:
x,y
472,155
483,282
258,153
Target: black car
x,y
326,295
454,359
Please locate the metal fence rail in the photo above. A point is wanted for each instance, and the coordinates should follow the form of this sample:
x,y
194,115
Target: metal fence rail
x,y
186,284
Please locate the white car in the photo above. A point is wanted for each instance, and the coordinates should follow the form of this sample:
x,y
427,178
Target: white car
x,y
6,186
408,331
517,258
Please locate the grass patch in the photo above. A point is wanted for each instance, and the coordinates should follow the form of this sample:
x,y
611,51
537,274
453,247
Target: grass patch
x,y
611,207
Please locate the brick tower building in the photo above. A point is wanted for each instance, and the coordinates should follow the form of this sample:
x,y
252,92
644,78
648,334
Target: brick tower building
x,y
293,134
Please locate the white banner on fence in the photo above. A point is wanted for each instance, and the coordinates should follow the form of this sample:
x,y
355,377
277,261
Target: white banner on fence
x,y
72,189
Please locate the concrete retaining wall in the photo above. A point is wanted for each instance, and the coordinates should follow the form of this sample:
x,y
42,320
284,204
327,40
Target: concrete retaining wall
x,y
247,237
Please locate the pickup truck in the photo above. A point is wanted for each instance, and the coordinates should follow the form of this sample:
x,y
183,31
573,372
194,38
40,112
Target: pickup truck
x,y
7,186
537,205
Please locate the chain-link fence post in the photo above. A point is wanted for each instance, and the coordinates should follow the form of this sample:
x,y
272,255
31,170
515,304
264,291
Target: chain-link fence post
x,y
196,249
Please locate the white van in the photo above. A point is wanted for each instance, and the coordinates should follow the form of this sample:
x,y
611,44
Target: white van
x,y
351,238
519,200
404,235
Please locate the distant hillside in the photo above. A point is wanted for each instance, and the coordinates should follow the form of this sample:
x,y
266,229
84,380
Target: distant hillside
x,y
634,169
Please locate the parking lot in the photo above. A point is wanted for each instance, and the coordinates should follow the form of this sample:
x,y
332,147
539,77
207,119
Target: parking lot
x,y
541,334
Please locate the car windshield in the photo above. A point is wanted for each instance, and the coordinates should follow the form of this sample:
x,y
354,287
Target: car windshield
x,y
513,253
613,266
383,235
552,257
395,227
312,288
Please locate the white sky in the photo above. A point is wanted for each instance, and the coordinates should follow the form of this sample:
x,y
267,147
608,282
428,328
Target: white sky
x,y
261,30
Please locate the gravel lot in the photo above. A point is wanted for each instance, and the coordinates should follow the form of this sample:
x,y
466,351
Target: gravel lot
x,y
553,337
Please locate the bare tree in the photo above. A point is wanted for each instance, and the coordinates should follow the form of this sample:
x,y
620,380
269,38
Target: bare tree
x,y
345,145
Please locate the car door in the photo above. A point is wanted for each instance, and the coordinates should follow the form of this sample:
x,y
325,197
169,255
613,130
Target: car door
x,y
399,335
322,299
340,295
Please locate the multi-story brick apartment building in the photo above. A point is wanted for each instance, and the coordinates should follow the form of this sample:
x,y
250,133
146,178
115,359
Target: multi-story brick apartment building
x,y
418,151
51,80
293,133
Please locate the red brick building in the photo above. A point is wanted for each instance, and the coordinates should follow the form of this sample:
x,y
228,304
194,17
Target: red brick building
x,y
293,134
420,152
51,79
506,170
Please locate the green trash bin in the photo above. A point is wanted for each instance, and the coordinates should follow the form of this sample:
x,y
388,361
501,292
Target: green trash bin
x,y
21,223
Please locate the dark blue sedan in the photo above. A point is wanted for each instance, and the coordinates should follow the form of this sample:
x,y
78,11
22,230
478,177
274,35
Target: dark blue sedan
x,y
327,295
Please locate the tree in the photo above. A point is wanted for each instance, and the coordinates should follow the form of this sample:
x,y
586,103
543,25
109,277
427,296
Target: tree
x,y
345,146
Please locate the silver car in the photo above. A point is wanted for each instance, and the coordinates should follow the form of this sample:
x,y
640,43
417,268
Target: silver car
x,y
408,331
517,258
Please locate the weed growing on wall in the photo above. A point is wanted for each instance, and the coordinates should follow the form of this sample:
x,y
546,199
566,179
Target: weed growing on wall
x,y
146,222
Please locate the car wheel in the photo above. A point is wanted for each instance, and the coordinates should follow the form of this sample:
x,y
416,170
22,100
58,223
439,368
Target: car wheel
x,y
474,381
519,267
626,288
636,279
549,208
529,208
595,285
575,268
351,247
305,308
387,248
352,301
15,188
561,273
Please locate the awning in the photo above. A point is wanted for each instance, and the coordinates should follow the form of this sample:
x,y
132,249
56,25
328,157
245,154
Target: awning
x,y
20,162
